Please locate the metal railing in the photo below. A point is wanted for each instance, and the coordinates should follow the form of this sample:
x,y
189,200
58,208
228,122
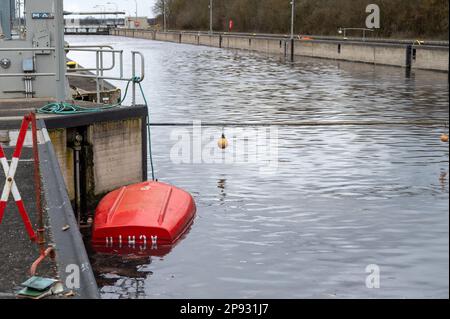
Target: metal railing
x,y
81,47
99,70
443,43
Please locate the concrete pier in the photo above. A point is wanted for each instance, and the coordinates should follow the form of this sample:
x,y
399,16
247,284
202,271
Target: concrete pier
x,y
114,153
114,149
400,54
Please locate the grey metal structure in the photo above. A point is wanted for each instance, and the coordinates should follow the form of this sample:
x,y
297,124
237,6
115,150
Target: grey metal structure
x,y
34,62
7,14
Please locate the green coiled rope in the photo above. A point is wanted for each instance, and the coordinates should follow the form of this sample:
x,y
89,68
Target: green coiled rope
x,y
64,108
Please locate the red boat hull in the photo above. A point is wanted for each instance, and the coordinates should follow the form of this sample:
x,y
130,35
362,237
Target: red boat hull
x,y
148,214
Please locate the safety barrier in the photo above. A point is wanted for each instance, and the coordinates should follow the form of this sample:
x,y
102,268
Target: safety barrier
x,y
100,69
11,187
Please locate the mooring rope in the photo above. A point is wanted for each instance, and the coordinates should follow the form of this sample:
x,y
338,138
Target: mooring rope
x,y
148,132
64,108
311,123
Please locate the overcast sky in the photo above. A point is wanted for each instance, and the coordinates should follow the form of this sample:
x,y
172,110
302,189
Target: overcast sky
x,y
145,7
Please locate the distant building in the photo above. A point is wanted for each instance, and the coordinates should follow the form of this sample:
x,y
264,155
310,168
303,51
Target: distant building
x,y
152,21
91,21
136,23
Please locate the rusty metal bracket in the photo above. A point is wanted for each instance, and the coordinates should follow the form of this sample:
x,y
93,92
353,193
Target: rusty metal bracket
x,y
44,252
49,252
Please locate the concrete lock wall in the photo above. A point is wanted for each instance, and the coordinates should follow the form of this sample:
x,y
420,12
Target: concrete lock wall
x,y
116,151
167,36
160,36
209,40
313,49
232,42
356,52
390,55
173,37
65,158
145,34
433,58
189,38
421,57
271,46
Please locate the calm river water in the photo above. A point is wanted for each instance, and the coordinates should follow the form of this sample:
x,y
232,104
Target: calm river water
x,y
339,198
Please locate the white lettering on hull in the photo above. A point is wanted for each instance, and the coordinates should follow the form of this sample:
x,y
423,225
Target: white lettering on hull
x,y
131,241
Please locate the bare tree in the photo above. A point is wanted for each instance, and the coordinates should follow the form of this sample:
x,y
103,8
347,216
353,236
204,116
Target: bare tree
x,y
400,18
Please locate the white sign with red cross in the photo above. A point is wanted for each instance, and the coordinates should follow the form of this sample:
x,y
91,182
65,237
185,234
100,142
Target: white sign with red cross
x,y
10,185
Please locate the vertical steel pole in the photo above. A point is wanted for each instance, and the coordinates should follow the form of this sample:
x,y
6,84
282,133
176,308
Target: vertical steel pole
x,y
77,185
133,67
136,10
164,16
211,16
292,18
121,63
60,54
19,23
102,82
77,147
292,28
5,19
37,185
97,74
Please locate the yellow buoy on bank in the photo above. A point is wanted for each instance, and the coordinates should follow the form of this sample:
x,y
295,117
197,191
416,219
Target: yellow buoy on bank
x,y
71,64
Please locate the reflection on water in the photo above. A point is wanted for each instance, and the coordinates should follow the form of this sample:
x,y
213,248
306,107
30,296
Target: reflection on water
x,y
121,276
222,190
342,197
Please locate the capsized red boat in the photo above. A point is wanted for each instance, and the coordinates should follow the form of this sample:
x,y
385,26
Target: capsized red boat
x,y
148,214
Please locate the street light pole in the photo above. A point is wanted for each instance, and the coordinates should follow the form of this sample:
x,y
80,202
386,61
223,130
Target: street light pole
x,y
102,7
135,1
211,16
164,16
292,18
117,10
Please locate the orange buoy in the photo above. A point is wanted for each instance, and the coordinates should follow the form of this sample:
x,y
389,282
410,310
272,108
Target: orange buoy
x,y
444,138
223,142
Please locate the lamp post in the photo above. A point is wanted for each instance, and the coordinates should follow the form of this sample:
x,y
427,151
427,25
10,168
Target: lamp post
x,y
292,18
164,16
114,4
117,10
211,16
135,1
101,6
292,30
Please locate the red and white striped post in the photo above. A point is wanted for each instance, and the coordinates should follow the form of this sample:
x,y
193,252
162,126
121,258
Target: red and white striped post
x,y
10,184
